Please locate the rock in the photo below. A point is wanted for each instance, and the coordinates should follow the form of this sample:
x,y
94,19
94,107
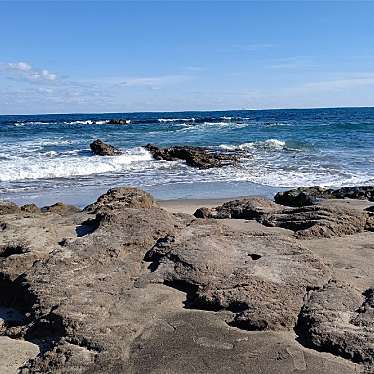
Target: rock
x,y
340,320
30,208
309,195
100,148
325,220
318,221
120,198
7,207
60,208
301,196
260,279
120,121
198,157
249,208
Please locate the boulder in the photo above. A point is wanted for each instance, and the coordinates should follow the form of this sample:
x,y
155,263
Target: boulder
x,y
309,195
100,148
61,209
30,208
202,158
340,320
7,207
248,208
318,221
120,198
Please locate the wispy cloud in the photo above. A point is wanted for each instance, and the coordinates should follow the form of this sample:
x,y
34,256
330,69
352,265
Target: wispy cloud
x,y
295,62
25,71
341,84
154,82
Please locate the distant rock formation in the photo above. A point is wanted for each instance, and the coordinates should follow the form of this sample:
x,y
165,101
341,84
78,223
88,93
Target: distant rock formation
x,y
198,157
120,121
98,147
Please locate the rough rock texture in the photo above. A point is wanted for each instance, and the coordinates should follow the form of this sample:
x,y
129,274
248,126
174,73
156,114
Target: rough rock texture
x,y
324,220
309,195
261,279
98,147
59,208
201,158
122,197
7,207
77,285
340,320
249,208
318,221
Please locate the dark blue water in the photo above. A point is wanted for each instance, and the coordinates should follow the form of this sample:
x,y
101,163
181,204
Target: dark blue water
x,y
47,157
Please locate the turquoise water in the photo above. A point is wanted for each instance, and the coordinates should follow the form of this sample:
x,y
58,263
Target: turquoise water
x,y
47,158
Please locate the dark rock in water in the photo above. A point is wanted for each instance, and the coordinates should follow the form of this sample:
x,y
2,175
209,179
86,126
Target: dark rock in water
x,y
309,195
98,147
249,208
120,121
61,209
121,198
198,157
7,207
340,320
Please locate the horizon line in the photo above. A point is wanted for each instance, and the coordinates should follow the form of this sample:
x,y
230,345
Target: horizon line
x,y
188,111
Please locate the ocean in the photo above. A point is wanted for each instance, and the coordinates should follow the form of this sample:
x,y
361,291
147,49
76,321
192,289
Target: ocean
x,y
46,158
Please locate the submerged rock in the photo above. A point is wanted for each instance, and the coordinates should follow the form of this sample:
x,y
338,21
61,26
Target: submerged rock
x,y
309,195
120,121
198,157
98,147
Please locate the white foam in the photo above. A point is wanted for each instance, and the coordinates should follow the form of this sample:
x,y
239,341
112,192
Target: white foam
x,y
269,143
46,166
175,119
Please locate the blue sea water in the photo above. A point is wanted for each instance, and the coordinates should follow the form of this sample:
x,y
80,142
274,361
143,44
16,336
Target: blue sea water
x,y
45,158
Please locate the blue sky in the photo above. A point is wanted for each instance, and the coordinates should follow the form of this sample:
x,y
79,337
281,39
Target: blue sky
x,y
64,57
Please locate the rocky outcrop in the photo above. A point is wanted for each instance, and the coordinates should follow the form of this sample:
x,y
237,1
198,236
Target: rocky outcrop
x,y
248,208
325,220
260,279
318,221
60,208
309,195
120,198
98,147
198,157
340,320
115,288
7,207
120,121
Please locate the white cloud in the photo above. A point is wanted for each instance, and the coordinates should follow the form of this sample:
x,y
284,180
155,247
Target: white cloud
x,y
154,82
23,70
340,84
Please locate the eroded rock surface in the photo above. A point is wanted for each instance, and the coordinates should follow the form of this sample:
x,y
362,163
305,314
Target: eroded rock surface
x,y
122,197
340,320
127,287
324,220
261,279
309,195
98,147
199,157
